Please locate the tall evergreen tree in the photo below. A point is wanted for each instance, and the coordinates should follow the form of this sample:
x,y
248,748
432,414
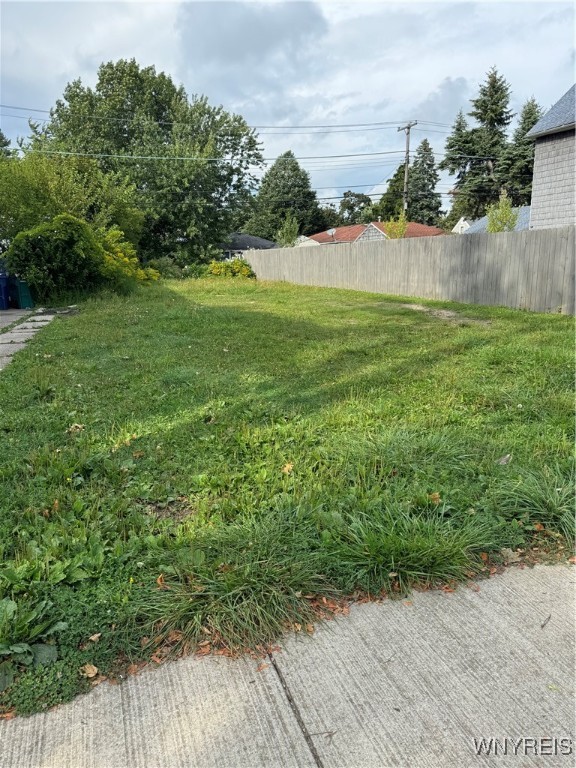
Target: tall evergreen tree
x,y
424,202
285,186
391,203
517,163
473,154
5,150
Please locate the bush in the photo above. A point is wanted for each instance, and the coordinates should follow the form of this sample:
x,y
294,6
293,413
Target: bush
x,y
57,257
66,255
234,268
166,267
120,268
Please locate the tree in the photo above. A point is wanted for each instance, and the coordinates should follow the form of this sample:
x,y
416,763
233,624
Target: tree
x,y
285,185
473,154
352,207
192,163
396,228
517,162
501,216
36,188
391,203
424,202
5,150
288,232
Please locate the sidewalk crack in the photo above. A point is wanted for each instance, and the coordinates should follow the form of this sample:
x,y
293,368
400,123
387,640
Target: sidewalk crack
x,y
296,713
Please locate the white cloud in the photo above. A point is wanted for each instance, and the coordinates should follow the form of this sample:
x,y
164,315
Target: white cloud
x,y
300,63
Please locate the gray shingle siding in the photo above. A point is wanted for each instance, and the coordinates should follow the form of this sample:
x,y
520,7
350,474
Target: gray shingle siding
x,y
553,182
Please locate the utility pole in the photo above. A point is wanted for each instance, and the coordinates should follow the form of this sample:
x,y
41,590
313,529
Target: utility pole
x,y
406,129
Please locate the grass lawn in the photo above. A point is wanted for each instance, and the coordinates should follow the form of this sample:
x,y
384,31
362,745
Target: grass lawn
x,y
194,466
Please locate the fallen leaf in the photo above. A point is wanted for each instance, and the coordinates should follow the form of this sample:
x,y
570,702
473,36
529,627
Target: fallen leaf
x,y
310,629
297,627
137,454
287,468
484,556
95,638
132,669
261,667
392,574
89,670
572,559
434,498
504,459
10,715
538,527
407,602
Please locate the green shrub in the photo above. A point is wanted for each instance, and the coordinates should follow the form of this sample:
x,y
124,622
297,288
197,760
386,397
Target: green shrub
x,y
120,268
166,267
57,257
234,268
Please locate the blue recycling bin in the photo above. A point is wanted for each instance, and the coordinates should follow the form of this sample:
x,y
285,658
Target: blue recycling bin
x,y
4,292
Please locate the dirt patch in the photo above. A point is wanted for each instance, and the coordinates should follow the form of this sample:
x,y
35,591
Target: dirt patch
x,y
445,314
174,509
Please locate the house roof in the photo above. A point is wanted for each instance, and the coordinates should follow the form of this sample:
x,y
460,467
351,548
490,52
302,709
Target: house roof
x,y
561,117
341,234
352,232
414,229
481,225
238,241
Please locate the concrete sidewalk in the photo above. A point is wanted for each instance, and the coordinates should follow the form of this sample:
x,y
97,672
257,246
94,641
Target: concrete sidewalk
x,y
408,683
29,322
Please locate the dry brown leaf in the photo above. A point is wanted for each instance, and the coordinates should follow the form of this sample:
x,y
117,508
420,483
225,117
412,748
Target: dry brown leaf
x,y
434,498
262,667
538,527
310,629
89,671
95,638
484,556
287,468
297,627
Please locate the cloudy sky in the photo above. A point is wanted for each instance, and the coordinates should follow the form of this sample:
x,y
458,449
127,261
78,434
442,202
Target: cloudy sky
x,y
287,65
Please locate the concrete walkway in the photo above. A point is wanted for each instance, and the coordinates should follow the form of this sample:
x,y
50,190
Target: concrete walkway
x,y
407,683
28,324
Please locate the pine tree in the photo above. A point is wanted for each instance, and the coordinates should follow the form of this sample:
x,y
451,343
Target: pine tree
x,y
5,150
517,163
391,203
423,201
285,186
473,155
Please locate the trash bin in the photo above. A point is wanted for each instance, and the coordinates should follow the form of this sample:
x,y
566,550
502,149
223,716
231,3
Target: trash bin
x,y
19,295
4,291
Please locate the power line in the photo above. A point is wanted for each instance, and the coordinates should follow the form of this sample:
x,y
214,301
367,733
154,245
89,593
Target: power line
x,y
103,155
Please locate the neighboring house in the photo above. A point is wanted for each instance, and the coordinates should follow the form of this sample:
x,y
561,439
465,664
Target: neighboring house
x,y
481,225
552,203
461,226
376,230
239,242
303,241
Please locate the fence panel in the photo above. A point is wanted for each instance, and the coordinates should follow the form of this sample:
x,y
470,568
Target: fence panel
x,y
533,269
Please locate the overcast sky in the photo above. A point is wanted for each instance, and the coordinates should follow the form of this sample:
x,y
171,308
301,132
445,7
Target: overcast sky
x,y
297,63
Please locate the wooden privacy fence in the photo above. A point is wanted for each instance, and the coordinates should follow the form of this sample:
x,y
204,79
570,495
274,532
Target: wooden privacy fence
x,y
531,270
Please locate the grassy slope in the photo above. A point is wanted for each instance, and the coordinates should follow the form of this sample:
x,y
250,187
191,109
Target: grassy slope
x,y
257,443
